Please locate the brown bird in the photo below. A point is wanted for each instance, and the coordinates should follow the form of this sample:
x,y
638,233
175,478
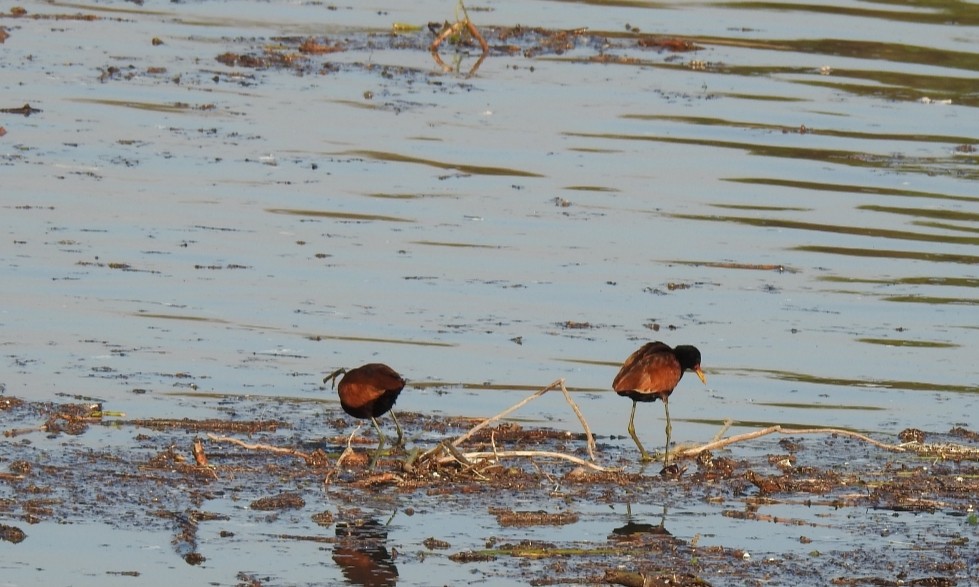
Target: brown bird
x,y
370,391
650,374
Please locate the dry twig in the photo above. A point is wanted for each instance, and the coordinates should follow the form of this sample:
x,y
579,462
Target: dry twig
x,y
343,456
720,433
459,27
504,413
581,418
778,429
262,447
525,453
559,383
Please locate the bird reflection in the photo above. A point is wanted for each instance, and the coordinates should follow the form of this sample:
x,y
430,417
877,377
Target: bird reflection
x,y
361,554
634,530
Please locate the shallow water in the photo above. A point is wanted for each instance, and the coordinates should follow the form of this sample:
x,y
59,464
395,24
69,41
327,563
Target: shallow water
x,y
796,197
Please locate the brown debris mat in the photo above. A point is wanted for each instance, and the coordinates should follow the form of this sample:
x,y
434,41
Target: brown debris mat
x,y
484,464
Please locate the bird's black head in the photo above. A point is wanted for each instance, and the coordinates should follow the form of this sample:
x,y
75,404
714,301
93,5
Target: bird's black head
x,y
689,356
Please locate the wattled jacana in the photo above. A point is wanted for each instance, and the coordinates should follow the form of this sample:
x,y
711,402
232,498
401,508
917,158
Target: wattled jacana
x,y
370,391
651,373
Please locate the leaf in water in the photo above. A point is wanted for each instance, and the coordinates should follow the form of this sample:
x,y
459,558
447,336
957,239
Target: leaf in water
x,y
933,300
321,337
925,212
180,317
861,383
832,228
854,158
848,188
761,208
946,226
810,406
592,188
940,281
764,424
457,245
891,137
357,104
338,215
888,254
939,13
908,343
176,107
731,265
473,169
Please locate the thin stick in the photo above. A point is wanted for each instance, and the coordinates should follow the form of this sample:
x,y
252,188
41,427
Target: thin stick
x,y
457,455
526,453
689,452
505,412
558,383
723,430
343,456
263,447
446,32
475,32
19,431
349,450
462,460
543,473
857,435
778,429
581,418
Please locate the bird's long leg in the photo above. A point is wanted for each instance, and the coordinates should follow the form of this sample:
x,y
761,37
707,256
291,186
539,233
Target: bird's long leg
x,y
380,444
669,431
401,436
632,432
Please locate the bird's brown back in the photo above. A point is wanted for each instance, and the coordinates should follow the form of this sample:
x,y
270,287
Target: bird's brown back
x,y
650,373
369,391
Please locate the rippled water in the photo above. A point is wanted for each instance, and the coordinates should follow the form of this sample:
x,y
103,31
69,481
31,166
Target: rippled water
x,y
795,195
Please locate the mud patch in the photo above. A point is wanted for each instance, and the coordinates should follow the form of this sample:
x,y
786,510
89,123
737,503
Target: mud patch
x,y
797,485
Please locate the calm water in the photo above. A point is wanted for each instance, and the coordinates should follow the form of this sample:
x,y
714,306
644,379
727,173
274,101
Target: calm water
x,y
796,197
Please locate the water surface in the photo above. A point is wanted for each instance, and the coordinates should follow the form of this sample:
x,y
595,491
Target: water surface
x,y
795,195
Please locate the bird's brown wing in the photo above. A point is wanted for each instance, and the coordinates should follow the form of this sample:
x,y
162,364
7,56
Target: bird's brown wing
x,y
377,375
370,390
652,369
357,399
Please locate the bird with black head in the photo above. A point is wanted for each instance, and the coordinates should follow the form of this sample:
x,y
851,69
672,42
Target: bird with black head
x,y
652,373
